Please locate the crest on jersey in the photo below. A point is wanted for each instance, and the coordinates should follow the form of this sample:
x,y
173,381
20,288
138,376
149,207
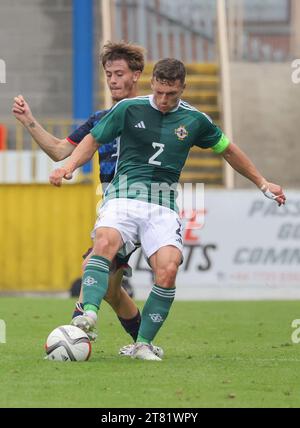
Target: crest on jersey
x,y
181,132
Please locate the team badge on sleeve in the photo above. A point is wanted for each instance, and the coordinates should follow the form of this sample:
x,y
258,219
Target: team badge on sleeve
x,y
181,133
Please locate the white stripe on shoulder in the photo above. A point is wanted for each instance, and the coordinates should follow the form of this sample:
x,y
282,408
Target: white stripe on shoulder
x,y
207,117
142,97
187,106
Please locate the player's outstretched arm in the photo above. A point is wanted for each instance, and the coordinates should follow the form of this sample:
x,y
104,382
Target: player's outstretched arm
x,y
57,149
81,155
244,166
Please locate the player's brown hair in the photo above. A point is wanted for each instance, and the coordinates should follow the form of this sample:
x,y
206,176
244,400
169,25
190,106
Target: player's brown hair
x,y
169,70
131,53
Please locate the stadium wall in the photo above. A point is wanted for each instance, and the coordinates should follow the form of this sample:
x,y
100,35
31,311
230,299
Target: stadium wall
x,y
43,234
265,119
36,45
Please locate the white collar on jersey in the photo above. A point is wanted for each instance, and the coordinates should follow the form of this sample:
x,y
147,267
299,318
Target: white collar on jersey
x,y
152,102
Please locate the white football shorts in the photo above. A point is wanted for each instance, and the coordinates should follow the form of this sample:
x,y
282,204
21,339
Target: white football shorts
x,y
152,225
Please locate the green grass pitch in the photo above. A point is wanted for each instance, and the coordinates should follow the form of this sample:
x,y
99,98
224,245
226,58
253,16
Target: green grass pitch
x,y
217,354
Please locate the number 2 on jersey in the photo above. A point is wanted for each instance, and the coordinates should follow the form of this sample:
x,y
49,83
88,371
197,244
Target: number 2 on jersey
x,y
160,148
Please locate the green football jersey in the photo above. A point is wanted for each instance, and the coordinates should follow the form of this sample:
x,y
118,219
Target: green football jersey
x,y
153,147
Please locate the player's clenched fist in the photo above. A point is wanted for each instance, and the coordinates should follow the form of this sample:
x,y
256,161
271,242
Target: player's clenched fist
x,y
57,176
21,110
275,192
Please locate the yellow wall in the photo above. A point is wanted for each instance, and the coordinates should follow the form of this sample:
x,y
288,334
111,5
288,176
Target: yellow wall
x,y
43,233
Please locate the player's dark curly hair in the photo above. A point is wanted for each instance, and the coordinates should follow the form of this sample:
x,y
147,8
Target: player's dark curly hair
x,y
131,53
169,70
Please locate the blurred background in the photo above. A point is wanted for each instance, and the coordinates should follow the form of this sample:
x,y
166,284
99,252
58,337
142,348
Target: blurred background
x,y
239,56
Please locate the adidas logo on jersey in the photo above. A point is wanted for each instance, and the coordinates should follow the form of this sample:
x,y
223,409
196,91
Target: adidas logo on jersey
x,y
140,125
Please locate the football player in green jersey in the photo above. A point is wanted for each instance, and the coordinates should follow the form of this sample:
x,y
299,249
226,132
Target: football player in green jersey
x,y
155,134
123,64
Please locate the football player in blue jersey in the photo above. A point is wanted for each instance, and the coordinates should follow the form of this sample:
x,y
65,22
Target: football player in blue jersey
x,y
123,64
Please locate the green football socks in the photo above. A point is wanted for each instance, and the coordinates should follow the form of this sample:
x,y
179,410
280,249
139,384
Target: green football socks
x,y
155,312
95,282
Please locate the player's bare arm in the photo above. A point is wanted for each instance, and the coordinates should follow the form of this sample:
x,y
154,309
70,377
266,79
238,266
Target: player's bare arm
x,y
81,155
57,149
244,166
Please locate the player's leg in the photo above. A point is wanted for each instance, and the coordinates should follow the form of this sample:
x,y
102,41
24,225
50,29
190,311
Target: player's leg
x,y
162,244
96,275
78,310
127,311
117,297
113,228
165,265
123,305
125,308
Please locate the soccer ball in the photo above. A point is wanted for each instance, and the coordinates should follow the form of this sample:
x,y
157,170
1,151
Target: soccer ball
x,y
68,343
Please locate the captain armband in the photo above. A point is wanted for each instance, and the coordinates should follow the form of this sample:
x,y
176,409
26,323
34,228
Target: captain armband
x,y
222,145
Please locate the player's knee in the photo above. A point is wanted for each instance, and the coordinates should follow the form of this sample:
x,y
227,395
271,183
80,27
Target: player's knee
x,y
166,276
102,247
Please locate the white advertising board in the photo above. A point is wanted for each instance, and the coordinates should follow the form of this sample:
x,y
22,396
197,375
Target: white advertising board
x,y
245,247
